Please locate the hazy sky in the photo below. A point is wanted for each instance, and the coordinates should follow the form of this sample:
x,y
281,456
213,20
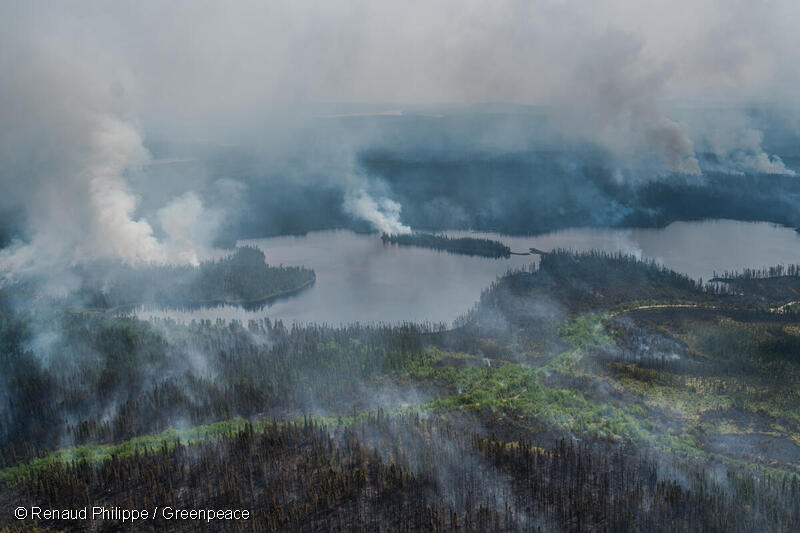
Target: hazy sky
x,y
189,55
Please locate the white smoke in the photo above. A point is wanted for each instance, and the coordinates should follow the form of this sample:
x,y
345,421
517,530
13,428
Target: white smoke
x,y
188,225
68,150
740,150
383,214
88,212
115,148
101,207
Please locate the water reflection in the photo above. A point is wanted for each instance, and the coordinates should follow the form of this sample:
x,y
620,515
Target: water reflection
x,y
361,279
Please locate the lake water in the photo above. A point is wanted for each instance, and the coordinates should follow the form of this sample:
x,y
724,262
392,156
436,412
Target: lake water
x,y
359,279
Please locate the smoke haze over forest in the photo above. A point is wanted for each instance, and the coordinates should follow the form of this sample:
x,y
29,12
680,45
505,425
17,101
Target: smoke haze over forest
x,y
158,119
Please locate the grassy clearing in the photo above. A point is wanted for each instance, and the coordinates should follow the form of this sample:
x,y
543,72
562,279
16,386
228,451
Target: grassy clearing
x,y
518,391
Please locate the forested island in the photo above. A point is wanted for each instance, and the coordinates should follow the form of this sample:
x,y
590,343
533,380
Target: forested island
x,y
549,395
242,278
456,245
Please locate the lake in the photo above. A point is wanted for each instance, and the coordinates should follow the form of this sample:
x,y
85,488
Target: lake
x,y
360,279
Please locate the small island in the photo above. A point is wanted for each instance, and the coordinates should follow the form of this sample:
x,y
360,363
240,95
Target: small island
x,y
242,278
457,245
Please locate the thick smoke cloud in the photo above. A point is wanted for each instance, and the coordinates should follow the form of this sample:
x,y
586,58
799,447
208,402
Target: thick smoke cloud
x,y
614,98
742,148
70,144
115,147
188,225
739,146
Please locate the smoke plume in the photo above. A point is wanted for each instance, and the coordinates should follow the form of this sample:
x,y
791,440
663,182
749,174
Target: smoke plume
x,y
614,98
70,148
740,149
189,226
115,148
383,214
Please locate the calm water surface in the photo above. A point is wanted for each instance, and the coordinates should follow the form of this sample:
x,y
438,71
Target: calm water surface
x,y
359,279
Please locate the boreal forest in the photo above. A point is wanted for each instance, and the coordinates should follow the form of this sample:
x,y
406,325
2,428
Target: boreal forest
x,y
454,266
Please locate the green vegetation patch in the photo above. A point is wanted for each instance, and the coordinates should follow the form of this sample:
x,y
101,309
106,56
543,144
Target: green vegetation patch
x,y
96,453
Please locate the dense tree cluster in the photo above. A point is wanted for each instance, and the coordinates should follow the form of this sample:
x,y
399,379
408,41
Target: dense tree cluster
x,y
456,245
148,376
535,300
536,191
